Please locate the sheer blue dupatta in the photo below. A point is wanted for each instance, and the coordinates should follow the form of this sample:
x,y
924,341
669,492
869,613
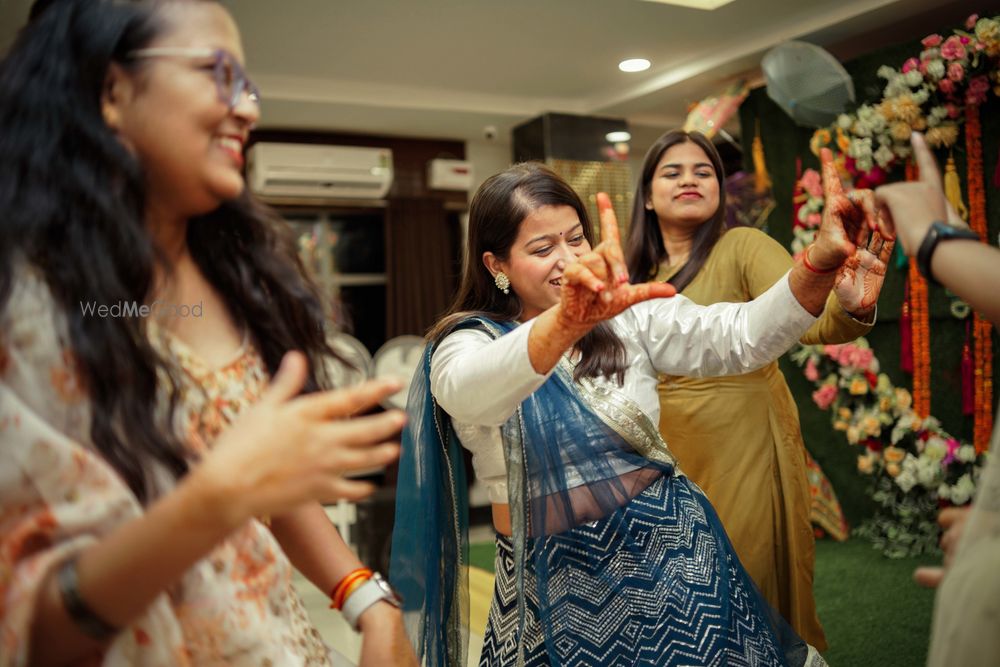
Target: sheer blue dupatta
x,y
430,540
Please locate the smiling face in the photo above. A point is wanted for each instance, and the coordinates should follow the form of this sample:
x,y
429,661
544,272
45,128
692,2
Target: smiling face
x,y
684,190
548,240
168,112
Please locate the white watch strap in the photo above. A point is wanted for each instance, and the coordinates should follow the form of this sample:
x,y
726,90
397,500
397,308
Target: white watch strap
x,y
363,597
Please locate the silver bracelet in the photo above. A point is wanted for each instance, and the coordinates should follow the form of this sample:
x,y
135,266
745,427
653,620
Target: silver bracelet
x,y
86,620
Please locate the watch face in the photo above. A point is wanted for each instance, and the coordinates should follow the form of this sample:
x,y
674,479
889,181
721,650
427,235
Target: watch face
x,y
392,597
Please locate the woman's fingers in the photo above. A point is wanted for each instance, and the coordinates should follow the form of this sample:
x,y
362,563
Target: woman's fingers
x,y
646,291
342,403
362,431
596,264
611,245
926,163
831,177
287,383
578,274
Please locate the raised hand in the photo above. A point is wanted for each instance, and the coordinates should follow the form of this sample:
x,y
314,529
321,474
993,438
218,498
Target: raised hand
x,y
909,208
860,278
596,288
847,219
288,450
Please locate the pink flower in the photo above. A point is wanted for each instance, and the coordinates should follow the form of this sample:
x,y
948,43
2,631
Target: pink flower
x,y
931,41
825,395
956,72
952,444
864,358
811,372
947,86
911,64
963,39
814,220
812,183
832,351
953,49
953,110
970,23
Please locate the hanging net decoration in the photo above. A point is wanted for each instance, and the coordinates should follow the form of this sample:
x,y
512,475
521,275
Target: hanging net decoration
x,y
807,82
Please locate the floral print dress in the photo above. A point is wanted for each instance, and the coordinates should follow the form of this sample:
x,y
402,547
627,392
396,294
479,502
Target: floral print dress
x,y
236,606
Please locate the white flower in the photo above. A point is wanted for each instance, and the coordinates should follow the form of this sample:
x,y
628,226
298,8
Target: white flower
x,y
966,454
928,473
885,72
864,163
933,121
938,112
935,69
944,492
844,121
963,490
921,96
913,78
906,481
884,156
935,449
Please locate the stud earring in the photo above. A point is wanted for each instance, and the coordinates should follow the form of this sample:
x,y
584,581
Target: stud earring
x,y
502,282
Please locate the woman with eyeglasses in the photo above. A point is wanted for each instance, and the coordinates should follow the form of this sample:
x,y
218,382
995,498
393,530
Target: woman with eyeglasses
x,y
164,439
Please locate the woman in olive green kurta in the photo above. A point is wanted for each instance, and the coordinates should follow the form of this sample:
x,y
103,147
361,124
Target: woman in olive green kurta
x,y
737,437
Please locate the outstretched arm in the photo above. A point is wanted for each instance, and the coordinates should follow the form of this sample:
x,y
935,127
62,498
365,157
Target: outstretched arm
x,y
968,268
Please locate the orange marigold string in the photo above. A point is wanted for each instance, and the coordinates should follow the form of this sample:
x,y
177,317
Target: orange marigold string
x,y
982,329
920,328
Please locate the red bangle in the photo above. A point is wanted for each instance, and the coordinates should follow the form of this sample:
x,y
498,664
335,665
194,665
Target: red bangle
x,y
339,592
810,266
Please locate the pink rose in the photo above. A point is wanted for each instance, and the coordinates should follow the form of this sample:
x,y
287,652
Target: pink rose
x,y
911,64
964,40
946,86
825,395
814,220
956,72
953,110
812,183
970,23
811,372
832,351
865,358
953,49
931,41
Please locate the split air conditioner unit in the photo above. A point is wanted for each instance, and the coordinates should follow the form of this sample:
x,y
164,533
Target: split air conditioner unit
x,y
313,171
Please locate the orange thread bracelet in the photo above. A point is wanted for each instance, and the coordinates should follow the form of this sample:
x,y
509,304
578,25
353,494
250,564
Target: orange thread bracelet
x,y
811,267
339,593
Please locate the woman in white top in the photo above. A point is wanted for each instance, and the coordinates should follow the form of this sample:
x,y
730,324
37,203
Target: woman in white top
x,y
545,369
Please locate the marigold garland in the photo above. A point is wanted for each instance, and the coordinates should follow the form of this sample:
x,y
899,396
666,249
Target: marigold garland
x,y
920,328
983,383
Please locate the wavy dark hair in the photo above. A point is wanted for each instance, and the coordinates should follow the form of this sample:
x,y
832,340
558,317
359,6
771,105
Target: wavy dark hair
x,y
72,205
644,249
499,206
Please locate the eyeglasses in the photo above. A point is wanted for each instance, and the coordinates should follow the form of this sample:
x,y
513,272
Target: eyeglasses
x,y
230,79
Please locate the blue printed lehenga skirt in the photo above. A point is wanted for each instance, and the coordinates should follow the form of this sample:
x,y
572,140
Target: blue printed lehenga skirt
x,y
705,611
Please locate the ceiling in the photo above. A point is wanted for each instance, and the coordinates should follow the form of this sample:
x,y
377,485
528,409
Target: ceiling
x,y
450,68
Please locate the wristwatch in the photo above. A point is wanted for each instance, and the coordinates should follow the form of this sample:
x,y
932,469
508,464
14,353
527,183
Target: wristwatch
x,y
938,232
376,589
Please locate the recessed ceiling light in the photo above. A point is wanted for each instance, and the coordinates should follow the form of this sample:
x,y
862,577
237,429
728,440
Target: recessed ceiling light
x,y
695,4
634,65
617,137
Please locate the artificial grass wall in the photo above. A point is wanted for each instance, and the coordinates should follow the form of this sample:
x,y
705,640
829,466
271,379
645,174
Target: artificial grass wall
x,y
784,141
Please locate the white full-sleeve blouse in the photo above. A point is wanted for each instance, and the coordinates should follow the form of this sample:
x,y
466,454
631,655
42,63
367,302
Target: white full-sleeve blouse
x,y
480,381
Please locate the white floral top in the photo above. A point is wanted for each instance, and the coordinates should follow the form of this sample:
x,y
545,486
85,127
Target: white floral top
x,y
237,606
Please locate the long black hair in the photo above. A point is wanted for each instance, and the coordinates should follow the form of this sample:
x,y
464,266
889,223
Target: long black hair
x,y
72,203
499,206
644,248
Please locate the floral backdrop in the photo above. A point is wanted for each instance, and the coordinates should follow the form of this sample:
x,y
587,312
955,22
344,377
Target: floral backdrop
x,y
914,466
